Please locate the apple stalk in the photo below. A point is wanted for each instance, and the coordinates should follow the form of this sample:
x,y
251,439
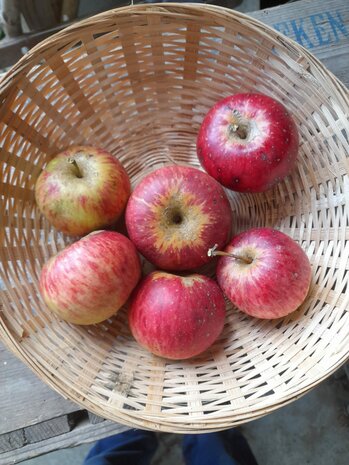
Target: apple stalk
x,y
213,252
237,128
77,169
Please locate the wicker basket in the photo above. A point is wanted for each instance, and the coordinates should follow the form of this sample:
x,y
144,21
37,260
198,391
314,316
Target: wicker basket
x,y
138,81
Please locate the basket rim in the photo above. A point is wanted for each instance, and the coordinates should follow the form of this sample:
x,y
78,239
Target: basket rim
x,y
153,420
10,76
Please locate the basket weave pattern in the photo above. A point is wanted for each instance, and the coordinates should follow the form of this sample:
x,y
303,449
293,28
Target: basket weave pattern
x,y
138,81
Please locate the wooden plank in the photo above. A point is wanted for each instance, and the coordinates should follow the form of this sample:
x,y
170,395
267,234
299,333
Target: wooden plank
x,y
36,433
320,26
49,428
248,5
40,15
24,399
69,10
94,419
11,49
84,433
11,18
12,441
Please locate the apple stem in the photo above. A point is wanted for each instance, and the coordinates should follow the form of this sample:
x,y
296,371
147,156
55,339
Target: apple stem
x,y
240,131
236,128
213,252
73,162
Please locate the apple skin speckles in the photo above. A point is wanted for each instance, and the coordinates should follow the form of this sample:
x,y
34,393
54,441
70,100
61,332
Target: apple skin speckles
x,y
249,137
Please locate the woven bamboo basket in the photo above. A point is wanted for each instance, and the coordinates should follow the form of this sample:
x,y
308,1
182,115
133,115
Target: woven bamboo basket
x,y
138,81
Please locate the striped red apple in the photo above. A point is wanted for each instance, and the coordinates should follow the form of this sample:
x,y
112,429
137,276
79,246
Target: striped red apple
x,y
248,142
175,214
176,317
90,280
82,189
264,272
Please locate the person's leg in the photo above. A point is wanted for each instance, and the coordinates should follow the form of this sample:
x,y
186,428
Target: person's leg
x,y
223,448
133,447
238,447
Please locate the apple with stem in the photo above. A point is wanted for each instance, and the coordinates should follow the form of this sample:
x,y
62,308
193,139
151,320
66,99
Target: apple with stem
x,y
82,189
263,272
175,213
248,142
90,280
176,317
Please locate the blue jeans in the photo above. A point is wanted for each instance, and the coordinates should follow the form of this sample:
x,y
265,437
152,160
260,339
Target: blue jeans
x,y
137,447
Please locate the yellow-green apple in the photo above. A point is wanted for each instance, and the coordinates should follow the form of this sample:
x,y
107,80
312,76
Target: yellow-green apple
x,y
264,272
175,213
88,281
248,142
82,189
176,317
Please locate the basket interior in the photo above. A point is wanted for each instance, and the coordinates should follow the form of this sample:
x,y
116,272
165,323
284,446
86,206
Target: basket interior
x,y
138,83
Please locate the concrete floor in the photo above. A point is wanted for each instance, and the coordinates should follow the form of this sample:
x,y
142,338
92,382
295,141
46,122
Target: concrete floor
x,y
313,430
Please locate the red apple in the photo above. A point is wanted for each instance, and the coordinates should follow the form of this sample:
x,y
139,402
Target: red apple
x,y
174,214
248,142
82,189
264,272
90,280
176,317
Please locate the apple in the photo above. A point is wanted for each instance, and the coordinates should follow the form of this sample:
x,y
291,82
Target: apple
x,y
264,273
248,142
176,317
88,281
82,189
174,214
